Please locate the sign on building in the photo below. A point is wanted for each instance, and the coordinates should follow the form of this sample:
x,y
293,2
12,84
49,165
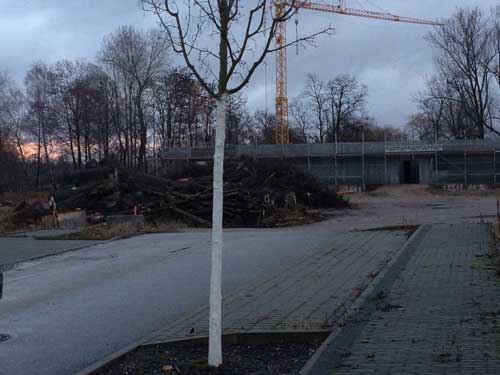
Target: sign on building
x,y
413,148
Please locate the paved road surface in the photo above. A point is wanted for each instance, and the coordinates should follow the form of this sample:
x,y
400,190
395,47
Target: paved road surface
x,y
68,311
18,249
23,246
309,295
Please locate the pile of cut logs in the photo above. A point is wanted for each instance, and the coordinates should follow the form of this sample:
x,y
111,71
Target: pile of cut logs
x,y
254,193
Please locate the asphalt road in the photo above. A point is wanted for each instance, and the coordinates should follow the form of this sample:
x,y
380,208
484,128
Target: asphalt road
x,y
68,311
19,249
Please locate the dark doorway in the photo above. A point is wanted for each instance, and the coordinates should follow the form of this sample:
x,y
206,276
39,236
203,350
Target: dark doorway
x,y
410,172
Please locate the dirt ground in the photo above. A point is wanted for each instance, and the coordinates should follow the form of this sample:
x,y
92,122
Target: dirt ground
x,y
399,205
414,205
271,359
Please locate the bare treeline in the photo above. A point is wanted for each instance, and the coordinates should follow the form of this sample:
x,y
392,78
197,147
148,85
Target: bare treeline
x,y
335,111
462,98
131,102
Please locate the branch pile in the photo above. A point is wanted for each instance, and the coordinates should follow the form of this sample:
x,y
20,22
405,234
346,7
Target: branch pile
x,y
256,193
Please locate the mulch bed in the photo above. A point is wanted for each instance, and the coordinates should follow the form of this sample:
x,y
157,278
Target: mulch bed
x,y
191,358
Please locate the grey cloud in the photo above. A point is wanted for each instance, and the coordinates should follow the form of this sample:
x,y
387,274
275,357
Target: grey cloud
x,y
392,59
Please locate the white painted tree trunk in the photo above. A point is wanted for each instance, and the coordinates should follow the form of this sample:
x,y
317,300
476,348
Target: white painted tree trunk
x,y
215,320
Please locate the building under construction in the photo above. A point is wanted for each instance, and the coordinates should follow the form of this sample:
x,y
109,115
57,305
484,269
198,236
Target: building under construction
x,y
453,164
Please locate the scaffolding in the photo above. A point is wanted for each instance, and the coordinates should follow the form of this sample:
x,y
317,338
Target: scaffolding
x,y
469,162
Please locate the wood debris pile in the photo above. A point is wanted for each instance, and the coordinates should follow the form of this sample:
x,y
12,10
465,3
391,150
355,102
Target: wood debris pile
x,y
256,193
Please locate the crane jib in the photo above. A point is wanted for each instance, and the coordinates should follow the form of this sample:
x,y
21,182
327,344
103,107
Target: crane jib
x,y
282,131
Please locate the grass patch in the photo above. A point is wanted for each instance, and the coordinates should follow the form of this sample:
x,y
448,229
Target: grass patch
x,y
5,226
104,232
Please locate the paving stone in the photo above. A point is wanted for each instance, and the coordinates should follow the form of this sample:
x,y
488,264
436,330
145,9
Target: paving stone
x,y
440,316
308,295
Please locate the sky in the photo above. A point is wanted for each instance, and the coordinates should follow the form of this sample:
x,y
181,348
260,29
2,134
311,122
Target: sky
x,y
392,59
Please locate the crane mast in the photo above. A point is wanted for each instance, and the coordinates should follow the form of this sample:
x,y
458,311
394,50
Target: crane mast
x,y
282,132
282,135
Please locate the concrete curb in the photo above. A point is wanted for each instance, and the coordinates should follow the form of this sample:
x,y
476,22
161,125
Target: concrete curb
x,y
112,357
377,285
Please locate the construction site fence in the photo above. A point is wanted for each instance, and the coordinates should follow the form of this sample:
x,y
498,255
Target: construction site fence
x,y
332,149
464,163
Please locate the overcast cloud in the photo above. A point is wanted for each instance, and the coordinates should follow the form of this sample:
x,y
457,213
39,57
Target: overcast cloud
x,y
392,59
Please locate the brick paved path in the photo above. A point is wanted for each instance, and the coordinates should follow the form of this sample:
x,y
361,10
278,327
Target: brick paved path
x,y
306,296
440,315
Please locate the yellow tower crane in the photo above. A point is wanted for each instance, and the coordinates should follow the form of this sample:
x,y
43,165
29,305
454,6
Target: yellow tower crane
x,y
282,132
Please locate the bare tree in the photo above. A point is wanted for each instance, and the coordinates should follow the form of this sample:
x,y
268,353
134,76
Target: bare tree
x,y
441,107
346,102
13,115
432,105
494,65
265,124
335,106
8,156
43,122
244,39
465,55
316,94
139,58
82,103
238,122
207,117
301,120
4,124
421,128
